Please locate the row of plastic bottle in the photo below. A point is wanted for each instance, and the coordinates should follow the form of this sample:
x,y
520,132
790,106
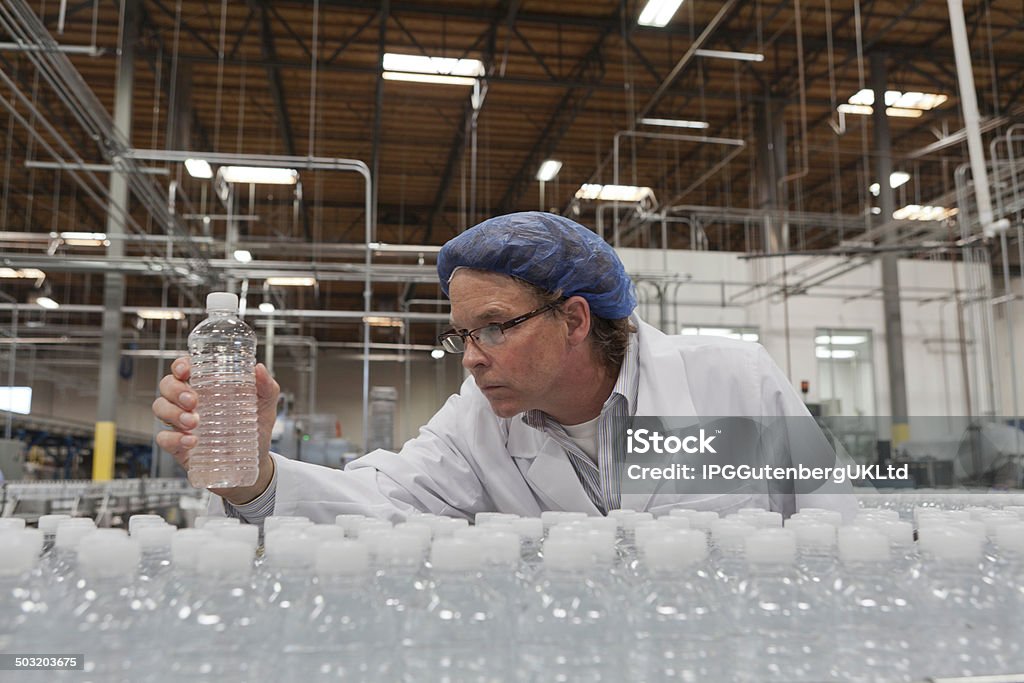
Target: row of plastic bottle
x,y
690,596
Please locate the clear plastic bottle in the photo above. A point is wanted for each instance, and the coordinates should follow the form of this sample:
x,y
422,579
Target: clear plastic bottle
x,y
570,630
223,351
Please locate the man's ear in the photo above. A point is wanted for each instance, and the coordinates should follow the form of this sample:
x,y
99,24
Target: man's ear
x,y
577,318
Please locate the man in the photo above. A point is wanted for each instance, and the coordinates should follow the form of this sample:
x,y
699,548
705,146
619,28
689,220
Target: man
x,y
542,311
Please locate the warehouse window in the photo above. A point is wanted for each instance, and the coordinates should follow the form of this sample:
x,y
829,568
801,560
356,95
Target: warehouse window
x,y
846,378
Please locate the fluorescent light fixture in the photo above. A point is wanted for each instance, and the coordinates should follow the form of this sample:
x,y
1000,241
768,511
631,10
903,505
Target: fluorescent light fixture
x,y
834,354
84,239
47,302
160,314
614,193
16,399
548,170
729,54
916,212
21,273
897,112
843,339
437,354
860,109
436,79
382,321
243,255
909,105
267,307
658,12
289,281
896,179
198,168
259,175
674,123
422,64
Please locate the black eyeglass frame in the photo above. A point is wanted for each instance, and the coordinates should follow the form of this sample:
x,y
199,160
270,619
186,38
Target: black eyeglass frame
x,y
447,339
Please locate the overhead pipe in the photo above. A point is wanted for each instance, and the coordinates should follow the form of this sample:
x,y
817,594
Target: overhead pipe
x,y
969,105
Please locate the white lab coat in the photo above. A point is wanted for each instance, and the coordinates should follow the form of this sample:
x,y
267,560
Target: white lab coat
x,y
467,460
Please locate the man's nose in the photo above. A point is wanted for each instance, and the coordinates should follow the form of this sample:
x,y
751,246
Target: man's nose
x,y
473,356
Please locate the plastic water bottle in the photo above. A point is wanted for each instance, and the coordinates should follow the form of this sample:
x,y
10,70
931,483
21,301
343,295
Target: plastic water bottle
x,y
464,631
779,625
223,351
568,630
959,617
679,623
103,616
342,633
875,609
220,627
20,602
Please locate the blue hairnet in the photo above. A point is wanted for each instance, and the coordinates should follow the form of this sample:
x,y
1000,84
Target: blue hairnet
x,y
546,250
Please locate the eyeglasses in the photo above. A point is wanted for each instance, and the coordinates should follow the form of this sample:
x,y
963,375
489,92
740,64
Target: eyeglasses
x,y
454,341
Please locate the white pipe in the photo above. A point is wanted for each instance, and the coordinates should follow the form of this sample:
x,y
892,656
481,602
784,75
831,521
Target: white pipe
x,y
969,105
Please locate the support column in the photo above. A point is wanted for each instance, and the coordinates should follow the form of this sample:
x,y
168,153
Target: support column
x,y
890,261
771,166
113,283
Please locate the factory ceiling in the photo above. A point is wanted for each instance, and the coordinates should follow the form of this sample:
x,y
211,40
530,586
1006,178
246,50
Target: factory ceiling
x,y
224,81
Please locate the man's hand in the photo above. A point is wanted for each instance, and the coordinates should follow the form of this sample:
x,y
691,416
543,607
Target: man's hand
x,y
176,408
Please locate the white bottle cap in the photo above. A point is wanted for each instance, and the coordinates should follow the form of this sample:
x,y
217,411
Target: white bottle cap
x,y
275,522
950,544
342,558
822,516
1010,538
814,535
630,522
221,301
12,523
416,529
371,527
552,518
675,550
770,546
397,551
648,530
567,554
501,548
19,555
762,519
601,544
531,528
900,534
349,522
681,512
225,559
287,550
48,523
676,522
136,521
201,521
321,533
31,537
241,533
730,534
484,518
970,526
858,544
106,556
612,524
702,519
455,555
151,536
995,519
445,527
186,545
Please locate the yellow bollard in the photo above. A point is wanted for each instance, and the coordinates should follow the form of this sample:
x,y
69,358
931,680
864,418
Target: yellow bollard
x,y
103,451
